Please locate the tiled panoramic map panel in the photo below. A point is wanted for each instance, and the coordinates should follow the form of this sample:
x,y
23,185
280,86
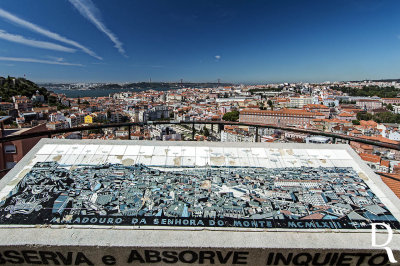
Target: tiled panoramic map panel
x,y
192,186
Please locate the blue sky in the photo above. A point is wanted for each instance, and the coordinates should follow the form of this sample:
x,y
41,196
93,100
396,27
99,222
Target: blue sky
x,y
254,41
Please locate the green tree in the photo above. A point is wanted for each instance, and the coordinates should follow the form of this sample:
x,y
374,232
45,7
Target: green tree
x,y
61,107
369,91
389,107
206,132
364,116
355,122
231,116
386,117
270,104
52,100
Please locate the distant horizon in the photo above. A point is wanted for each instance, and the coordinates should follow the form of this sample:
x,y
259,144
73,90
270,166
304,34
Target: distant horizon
x,y
214,82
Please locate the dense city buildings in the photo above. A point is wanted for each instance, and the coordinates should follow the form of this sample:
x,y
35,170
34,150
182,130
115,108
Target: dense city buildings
x,y
326,107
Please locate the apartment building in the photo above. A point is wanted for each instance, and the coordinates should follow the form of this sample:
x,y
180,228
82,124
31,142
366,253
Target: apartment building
x,y
391,100
299,102
367,104
283,117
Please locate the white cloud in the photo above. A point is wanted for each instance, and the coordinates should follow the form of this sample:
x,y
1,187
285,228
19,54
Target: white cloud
x,y
89,11
39,44
217,57
55,36
33,60
55,58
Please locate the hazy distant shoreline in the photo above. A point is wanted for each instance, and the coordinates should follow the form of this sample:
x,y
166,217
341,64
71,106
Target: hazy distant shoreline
x,y
98,93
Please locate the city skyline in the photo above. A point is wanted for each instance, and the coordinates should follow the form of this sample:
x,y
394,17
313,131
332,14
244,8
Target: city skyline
x,y
234,41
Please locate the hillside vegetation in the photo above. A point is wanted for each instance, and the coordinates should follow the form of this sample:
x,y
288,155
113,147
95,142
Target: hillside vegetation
x,y
21,86
370,91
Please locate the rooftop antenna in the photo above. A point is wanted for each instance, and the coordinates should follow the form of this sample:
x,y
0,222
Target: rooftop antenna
x,y
219,81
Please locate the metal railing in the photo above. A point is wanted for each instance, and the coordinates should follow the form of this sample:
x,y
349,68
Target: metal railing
x,y
220,124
